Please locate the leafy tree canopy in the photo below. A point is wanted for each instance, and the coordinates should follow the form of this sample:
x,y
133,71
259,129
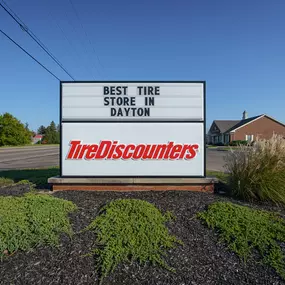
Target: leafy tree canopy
x,y
13,132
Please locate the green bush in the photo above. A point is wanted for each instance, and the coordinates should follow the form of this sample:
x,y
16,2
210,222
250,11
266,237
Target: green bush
x,y
238,142
6,181
219,144
13,132
32,220
258,172
246,230
128,230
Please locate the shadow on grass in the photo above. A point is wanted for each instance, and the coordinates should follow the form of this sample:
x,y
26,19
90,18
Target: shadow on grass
x,y
38,177
221,187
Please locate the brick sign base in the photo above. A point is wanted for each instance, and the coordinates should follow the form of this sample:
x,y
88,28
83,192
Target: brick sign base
x,y
133,184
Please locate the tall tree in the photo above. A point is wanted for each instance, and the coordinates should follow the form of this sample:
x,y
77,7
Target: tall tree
x,y
41,130
51,135
12,131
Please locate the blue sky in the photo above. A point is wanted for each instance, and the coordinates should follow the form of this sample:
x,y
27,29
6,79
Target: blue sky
x,y
236,46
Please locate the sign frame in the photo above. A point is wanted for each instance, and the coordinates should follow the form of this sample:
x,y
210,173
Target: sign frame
x,y
61,121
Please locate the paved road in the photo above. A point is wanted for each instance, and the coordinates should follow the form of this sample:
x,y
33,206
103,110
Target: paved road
x,y
215,159
45,156
29,157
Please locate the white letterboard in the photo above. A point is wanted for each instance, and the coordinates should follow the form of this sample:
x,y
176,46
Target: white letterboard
x,y
132,101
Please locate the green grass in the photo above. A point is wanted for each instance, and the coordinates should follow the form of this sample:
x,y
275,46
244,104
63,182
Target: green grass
x,y
38,177
128,230
219,174
6,181
32,220
245,230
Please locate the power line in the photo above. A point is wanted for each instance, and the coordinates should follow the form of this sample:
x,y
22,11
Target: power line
x,y
81,41
25,28
86,35
67,39
29,54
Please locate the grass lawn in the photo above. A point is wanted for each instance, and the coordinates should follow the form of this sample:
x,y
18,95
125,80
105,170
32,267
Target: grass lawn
x,y
219,174
38,177
212,146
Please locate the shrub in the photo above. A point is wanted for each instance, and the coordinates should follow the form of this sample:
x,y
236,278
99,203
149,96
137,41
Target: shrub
x,y
258,172
128,230
32,220
219,144
238,143
246,230
6,181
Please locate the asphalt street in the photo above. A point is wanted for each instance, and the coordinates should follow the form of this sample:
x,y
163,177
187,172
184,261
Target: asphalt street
x,y
28,157
46,156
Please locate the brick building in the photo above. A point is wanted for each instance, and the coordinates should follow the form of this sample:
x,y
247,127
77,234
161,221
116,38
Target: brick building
x,y
262,126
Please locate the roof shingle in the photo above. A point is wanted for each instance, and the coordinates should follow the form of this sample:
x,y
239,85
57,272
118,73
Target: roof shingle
x,y
224,125
242,122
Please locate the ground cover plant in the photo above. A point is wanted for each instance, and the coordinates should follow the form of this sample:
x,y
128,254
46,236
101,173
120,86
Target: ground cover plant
x,y
246,230
128,230
38,177
258,172
32,220
6,181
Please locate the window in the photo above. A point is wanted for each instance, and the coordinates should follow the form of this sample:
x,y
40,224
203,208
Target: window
x,y
227,138
249,138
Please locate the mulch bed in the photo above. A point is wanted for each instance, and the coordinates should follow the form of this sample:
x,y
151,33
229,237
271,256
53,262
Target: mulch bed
x,y
202,259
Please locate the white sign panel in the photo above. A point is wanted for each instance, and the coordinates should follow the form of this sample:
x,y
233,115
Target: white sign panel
x,y
132,101
132,149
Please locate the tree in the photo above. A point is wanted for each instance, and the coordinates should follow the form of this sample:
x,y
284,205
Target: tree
x,y
51,134
41,130
12,131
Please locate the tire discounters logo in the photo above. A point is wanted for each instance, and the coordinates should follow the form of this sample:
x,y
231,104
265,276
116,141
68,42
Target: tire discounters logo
x,y
112,150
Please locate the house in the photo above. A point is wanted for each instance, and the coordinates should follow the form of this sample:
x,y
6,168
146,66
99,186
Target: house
x,y
262,126
37,138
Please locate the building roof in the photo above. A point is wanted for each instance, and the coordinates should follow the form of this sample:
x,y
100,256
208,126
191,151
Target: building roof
x,y
225,125
38,136
243,122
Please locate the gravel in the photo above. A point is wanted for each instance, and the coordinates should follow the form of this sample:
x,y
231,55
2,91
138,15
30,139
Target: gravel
x,y
202,259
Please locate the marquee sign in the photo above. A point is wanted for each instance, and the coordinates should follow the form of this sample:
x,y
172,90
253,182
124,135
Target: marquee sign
x,y
132,129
